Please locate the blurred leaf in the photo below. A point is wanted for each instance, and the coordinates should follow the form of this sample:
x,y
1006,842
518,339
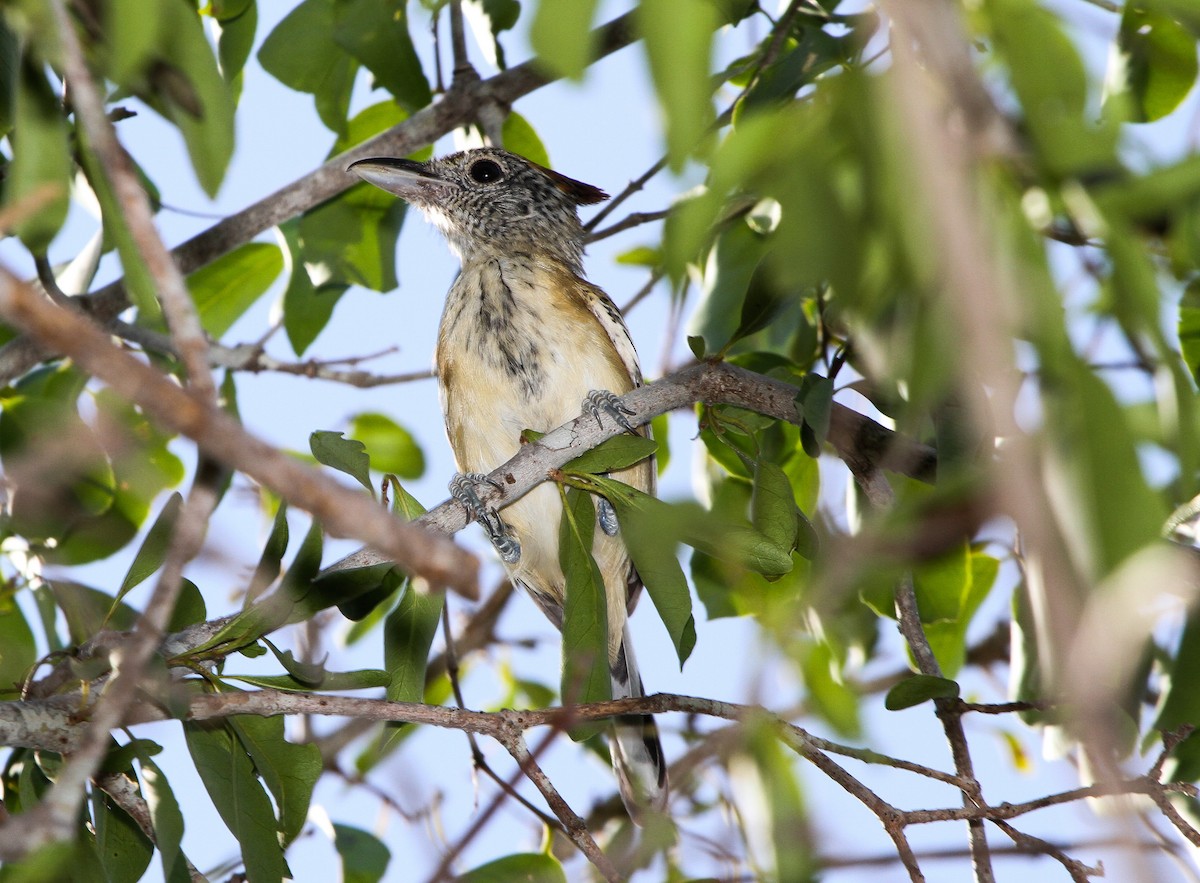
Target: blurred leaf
x,y
949,592
364,856
392,448
344,454
529,867
917,689
40,171
777,797
124,850
88,611
678,37
205,116
814,404
834,699
1189,328
235,37
488,19
10,61
1180,705
18,649
290,771
224,289
561,35
1153,66
228,776
376,33
585,676
167,819
612,454
154,547
519,137
1050,82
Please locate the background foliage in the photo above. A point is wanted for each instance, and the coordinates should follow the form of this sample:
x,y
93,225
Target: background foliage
x,y
949,221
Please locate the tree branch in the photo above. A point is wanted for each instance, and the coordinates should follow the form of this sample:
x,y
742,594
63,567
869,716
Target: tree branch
x,y
343,512
456,108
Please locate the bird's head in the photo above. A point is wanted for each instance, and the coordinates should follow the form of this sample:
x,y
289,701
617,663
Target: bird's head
x,y
489,201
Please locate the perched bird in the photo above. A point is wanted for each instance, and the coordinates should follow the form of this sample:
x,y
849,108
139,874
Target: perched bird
x,y
524,340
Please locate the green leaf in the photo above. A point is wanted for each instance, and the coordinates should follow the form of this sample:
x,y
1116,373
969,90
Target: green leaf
x,y
528,867
306,307
613,454
377,35
357,591
814,404
41,164
392,448
561,35
302,54
224,289
1181,702
235,38
585,675
678,37
728,270
408,633
949,592
228,775
331,681
205,116
832,698
270,562
88,611
344,454
917,689
364,856
782,802
351,239
1189,328
519,137
123,849
773,509
18,649
154,547
1154,66
167,820
290,771
10,60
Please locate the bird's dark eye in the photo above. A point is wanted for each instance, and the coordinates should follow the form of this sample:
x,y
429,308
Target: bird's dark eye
x,y
485,171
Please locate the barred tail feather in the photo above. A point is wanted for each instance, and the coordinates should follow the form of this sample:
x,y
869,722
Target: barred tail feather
x,y
637,753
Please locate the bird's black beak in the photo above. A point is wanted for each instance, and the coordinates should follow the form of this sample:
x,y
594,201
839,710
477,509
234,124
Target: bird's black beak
x,y
405,178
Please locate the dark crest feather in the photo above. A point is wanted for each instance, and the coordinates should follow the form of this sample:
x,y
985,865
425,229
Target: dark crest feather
x,y
580,193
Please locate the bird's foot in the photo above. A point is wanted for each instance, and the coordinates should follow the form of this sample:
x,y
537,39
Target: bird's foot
x,y
608,517
602,400
464,487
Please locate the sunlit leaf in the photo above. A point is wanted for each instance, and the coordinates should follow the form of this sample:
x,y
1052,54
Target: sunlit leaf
x,y
392,448
224,289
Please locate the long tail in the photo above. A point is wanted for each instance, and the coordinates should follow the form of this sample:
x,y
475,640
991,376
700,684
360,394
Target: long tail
x,y
637,753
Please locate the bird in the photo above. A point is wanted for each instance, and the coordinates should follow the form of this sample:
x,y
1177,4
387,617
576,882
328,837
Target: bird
x,y
526,342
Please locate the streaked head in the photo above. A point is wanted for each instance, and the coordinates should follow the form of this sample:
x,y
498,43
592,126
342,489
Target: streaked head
x,y
489,201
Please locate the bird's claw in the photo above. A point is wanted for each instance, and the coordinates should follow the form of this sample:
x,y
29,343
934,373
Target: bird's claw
x,y
608,517
610,403
464,488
